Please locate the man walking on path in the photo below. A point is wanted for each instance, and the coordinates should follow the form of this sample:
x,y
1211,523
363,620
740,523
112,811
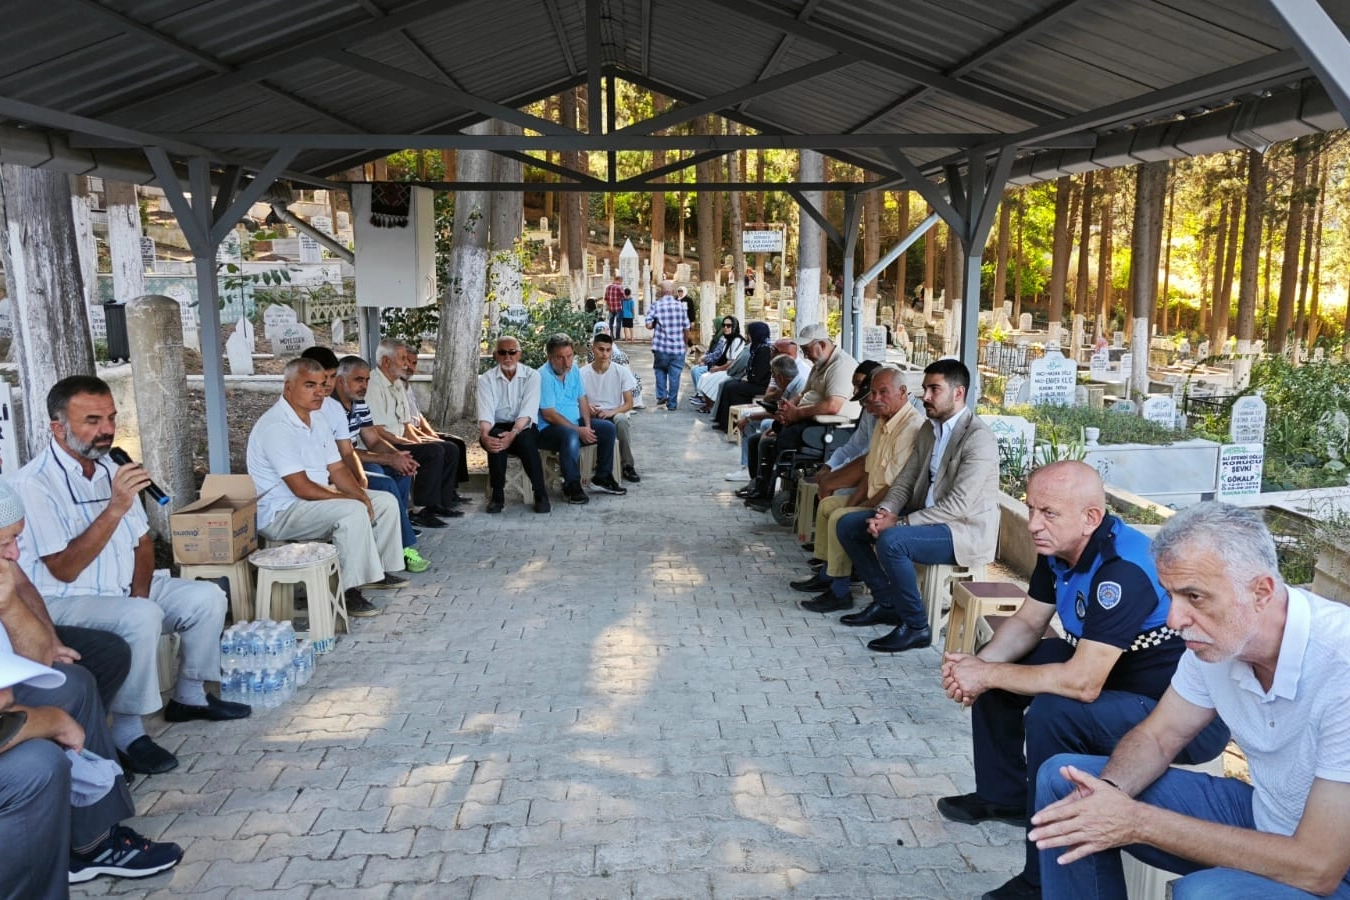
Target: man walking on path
x,y
614,303
670,339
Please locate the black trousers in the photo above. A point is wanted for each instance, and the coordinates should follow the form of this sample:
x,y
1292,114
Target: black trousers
x,y
462,467
734,393
789,437
524,448
437,464
103,654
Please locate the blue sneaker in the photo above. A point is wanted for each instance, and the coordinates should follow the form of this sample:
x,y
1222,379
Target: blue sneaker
x,y
124,854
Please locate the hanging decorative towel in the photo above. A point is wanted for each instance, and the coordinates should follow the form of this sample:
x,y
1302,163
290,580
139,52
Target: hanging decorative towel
x,y
390,205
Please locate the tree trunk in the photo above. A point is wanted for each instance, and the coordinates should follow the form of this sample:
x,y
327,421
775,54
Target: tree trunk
x,y
1167,258
1255,201
1284,316
930,265
810,167
1314,316
82,214
1059,257
504,279
708,263
871,253
1017,264
1001,250
1220,252
951,287
901,264
1081,300
735,200
124,240
658,249
1150,193
1309,217
458,339
42,276
1104,287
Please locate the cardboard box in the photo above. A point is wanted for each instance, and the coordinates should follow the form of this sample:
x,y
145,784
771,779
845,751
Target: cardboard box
x,y
219,528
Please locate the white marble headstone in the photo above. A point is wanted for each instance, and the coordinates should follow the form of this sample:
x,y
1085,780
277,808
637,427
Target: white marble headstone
x,y
1016,436
147,253
6,317
239,349
1016,390
1248,423
1118,339
339,332
1240,467
1126,365
1080,395
292,340
874,343
1160,411
1053,378
277,317
1099,365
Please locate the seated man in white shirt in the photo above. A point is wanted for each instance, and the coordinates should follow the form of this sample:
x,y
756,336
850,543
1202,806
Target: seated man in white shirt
x,y
508,407
609,388
87,549
308,493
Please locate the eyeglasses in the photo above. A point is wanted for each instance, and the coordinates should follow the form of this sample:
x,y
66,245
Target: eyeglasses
x,y
508,352
71,488
728,324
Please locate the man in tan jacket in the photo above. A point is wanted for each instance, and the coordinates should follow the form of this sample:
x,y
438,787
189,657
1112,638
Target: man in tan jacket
x,y
942,509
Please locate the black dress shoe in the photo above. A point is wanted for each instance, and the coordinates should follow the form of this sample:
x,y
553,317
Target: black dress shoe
x,y
759,504
972,809
902,638
874,614
442,511
424,519
813,585
748,491
495,506
146,757
815,562
827,602
541,504
215,710
809,547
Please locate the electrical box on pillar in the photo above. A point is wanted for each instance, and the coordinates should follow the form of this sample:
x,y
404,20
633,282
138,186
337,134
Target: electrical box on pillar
x,y
395,245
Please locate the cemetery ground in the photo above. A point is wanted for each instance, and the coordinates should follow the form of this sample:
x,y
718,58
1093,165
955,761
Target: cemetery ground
x,y
616,700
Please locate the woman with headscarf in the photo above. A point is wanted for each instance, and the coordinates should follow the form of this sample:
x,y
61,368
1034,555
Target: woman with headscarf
x,y
749,384
722,352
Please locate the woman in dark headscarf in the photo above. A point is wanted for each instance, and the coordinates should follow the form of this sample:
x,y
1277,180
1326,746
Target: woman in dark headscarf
x,y
722,352
753,382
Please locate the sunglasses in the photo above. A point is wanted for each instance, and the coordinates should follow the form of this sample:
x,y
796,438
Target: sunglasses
x,y
508,352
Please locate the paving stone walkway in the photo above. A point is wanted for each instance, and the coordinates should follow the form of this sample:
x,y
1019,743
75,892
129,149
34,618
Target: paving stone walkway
x,y
616,700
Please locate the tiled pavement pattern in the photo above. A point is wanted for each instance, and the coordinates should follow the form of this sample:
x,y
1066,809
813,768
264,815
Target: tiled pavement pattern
x,y
616,700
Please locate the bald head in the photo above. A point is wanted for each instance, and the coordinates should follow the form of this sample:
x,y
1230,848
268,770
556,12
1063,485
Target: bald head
x,y
667,287
1066,501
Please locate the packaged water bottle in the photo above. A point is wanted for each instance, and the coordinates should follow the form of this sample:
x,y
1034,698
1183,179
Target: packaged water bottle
x,y
227,660
255,688
227,685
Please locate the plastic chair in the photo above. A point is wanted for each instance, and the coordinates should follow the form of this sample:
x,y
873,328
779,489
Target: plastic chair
x,y
240,579
316,567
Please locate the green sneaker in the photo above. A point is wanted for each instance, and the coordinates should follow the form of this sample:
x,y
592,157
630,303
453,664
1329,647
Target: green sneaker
x,y
413,561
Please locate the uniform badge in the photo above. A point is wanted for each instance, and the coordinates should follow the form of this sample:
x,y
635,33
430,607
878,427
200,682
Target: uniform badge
x,y
1080,606
1108,594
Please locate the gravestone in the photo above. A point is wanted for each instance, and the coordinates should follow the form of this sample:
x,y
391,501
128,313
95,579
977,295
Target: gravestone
x,y
1126,366
1125,407
277,317
1160,411
630,267
230,249
239,349
682,273
1248,423
516,315
9,438
1099,366
1016,390
874,343
1053,378
310,251
147,253
1080,395
1240,467
6,317
1016,437
775,330
1118,339
339,332
292,340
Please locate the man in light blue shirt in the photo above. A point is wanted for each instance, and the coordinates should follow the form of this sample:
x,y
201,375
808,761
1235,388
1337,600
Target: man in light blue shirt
x,y
565,423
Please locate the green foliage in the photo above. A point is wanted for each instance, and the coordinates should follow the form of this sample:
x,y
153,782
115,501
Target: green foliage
x,y
238,284
547,318
411,324
1116,428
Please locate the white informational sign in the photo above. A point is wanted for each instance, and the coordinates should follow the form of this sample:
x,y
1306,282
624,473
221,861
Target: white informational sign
x,y
9,445
874,343
1160,411
1240,467
292,340
762,241
1053,378
1248,425
277,317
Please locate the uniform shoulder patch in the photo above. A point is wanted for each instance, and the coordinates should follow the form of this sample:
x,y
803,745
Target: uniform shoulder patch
x,y
1108,594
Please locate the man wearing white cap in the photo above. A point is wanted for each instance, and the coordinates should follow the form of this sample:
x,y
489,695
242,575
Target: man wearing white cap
x,y
88,552
49,841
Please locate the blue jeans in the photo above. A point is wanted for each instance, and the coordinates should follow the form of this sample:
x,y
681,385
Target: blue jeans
x,y
667,367
566,442
615,322
1224,800
401,487
886,563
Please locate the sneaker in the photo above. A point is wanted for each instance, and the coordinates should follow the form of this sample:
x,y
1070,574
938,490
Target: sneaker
x,y
738,475
608,485
631,474
574,494
413,561
970,809
358,605
124,854
390,580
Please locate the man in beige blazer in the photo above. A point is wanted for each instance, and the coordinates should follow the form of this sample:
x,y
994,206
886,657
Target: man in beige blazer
x,y
941,509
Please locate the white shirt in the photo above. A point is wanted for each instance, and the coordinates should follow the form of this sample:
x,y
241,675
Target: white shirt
x,y
388,402
1300,729
504,400
59,505
280,445
606,390
335,415
942,433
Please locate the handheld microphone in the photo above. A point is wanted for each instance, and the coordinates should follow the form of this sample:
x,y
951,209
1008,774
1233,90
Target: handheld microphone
x,y
119,456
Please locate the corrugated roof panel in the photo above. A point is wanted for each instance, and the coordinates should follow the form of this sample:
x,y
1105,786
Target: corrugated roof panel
x,y
1050,77
934,34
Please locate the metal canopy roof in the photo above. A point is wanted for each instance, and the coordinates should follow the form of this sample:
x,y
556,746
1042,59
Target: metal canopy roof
x,y
86,83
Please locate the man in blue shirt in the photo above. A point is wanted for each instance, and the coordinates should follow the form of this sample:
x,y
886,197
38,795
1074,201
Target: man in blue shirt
x,y
1075,695
565,423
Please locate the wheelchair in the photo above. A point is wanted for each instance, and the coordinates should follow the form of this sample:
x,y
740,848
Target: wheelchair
x,y
819,440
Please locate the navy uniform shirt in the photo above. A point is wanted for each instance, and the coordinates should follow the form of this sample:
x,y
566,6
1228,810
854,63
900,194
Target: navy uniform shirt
x,y
1112,596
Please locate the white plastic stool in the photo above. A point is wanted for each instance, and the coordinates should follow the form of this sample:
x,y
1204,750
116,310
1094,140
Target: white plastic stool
x,y
316,567
1144,882
241,584
734,420
808,498
935,586
517,481
166,661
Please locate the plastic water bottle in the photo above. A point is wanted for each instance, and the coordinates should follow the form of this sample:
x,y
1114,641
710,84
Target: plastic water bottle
x,y
255,687
227,661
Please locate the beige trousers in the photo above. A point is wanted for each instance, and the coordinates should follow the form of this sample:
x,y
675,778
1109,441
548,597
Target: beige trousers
x,y
366,549
828,513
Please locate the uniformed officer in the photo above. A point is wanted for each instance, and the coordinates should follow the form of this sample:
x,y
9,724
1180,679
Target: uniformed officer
x,y
1066,695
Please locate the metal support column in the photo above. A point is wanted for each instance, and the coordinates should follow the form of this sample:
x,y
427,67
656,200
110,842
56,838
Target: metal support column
x,y
1321,44
860,284
849,317
206,220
